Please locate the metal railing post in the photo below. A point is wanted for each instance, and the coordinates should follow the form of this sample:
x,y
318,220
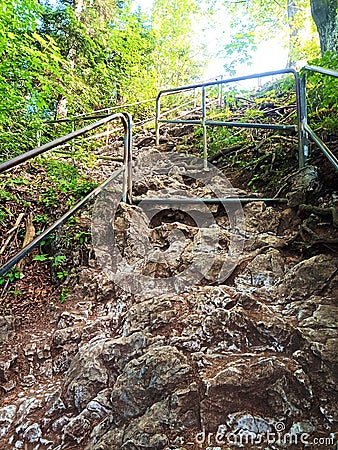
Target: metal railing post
x,y
219,95
303,133
157,119
127,160
307,129
125,163
301,157
108,129
204,118
221,103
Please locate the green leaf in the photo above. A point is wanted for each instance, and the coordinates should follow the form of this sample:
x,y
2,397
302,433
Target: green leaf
x,y
40,258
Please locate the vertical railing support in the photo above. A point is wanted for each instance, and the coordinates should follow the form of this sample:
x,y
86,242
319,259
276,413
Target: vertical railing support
x,y
127,159
129,167
301,142
219,95
108,129
302,132
204,118
157,119
221,103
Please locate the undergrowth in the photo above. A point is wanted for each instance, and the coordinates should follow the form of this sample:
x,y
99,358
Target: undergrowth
x,y
42,186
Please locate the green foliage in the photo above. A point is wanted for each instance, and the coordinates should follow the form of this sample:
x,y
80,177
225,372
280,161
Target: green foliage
x,y
322,94
96,55
16,293
65,179
4,214
40,219
111,57
83,237
29,75
7,198
240,49
5,195
43,257
173,22
57,262
64,294
220,138
133,59
11,276
62,274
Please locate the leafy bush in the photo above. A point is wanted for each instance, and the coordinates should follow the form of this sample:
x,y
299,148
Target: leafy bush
x,y
322,94
67,179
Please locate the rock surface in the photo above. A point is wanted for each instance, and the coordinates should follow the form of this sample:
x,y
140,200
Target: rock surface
x,y
204,368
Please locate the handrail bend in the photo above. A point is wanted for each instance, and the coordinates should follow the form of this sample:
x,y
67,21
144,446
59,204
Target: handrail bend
x,y
125,169
204,122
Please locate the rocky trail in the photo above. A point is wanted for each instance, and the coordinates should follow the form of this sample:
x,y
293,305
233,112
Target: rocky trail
x,y
246,359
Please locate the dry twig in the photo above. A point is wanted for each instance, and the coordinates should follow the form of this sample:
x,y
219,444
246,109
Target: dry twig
x,y
11,233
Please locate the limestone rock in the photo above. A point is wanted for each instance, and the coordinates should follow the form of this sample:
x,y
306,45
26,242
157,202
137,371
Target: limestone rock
x,y
7,328
308,277
150,367
260,218
148,379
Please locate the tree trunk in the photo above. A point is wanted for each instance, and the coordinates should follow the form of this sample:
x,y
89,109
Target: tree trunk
x,y
293,31
324,13
78,7
61,109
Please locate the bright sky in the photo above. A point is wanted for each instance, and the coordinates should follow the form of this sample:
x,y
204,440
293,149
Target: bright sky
x,y
270,56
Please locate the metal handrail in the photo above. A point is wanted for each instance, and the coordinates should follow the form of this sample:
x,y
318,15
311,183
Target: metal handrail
x,y
306,129
302,127
94,115
37,241
125,169
212,201
126,120
204,122
322,70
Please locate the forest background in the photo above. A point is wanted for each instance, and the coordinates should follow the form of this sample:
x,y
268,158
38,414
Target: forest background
x,y
65,57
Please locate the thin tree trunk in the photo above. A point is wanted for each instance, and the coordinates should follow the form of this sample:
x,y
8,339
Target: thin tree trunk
x,y
293,31
78,7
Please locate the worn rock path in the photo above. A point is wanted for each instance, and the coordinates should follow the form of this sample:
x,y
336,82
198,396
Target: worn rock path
x,y
112,370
